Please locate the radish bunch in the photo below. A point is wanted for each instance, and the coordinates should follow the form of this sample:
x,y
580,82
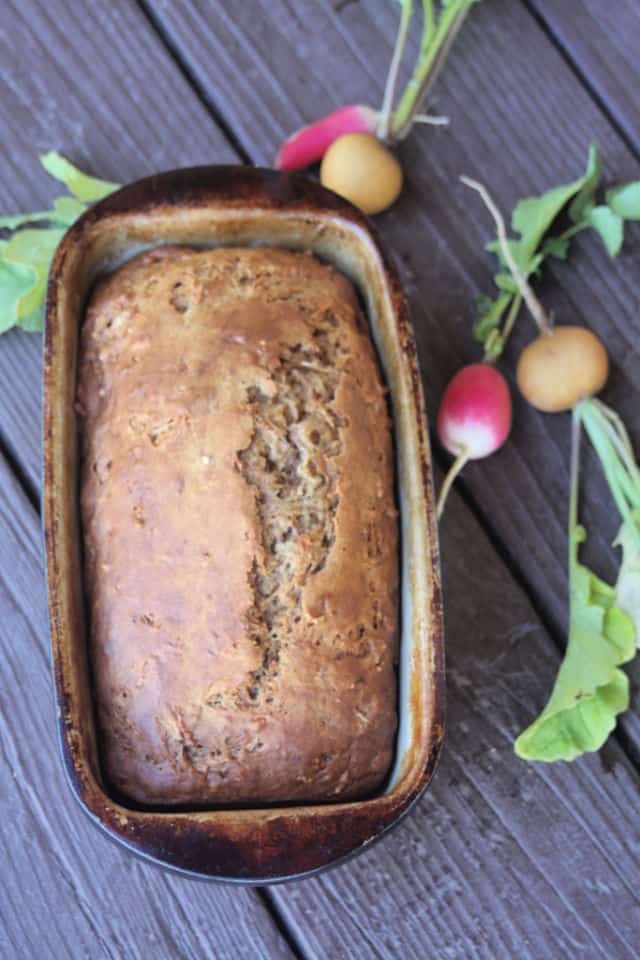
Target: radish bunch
x,y
564,364
562,369
353,142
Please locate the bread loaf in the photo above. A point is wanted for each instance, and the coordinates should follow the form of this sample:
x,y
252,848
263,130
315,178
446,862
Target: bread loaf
x,y
240,531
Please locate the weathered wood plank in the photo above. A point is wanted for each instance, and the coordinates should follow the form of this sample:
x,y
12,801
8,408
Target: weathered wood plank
x,y
501,859
68,890
101,87
521,122
602,42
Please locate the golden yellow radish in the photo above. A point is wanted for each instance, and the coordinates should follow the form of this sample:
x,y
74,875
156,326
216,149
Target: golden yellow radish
x,y
562,366
360,168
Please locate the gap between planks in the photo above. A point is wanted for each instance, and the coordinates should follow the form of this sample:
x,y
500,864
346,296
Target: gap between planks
x,y
17,469
581,74
165,38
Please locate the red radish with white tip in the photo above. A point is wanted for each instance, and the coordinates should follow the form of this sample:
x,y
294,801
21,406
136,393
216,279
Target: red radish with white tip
x,y
474,419
310,144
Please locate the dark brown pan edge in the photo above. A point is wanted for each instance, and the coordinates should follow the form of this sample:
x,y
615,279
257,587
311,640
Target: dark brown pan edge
x,y
263,845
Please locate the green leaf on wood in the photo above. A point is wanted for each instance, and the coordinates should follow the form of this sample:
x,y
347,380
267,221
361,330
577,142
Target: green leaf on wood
x,y
490,313
533,219
16,280
34,249
504,281
26,256
609,226
86,188
585,197
556,247
20,219
628,585
590,689
533,216
625,200
33,323
68,209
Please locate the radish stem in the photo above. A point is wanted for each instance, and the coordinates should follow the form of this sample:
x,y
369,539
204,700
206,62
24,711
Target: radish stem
x,y
505,333
576,429
392,77
453,472
537,311
428,21
611,443
434,48
622,437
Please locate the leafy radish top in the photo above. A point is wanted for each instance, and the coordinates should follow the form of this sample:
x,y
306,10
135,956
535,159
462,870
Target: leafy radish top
x,y
25,257
535,220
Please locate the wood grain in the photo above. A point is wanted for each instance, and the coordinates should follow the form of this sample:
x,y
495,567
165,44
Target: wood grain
x,y
602,42
100,87
501,859
67,890
509,94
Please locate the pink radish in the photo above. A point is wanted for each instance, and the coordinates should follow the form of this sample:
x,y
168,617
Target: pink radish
x,y
474,419
309,144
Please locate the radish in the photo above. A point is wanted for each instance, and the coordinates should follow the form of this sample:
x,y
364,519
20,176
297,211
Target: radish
x,y
309,144
359,167
474,419
391,123
562,367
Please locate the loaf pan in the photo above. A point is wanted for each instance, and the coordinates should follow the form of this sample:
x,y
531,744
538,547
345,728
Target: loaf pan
x,y
219,206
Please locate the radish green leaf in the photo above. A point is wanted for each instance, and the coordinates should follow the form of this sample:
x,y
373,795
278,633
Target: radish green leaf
x,y
490,314
604,622
585,197
628,585
625,200
85,188
609,226
33,249
533,219
533,216
16,280
68,209
590,689
20,219
26,256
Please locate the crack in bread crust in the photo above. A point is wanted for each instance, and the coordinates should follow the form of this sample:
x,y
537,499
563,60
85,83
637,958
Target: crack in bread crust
x,y
290,462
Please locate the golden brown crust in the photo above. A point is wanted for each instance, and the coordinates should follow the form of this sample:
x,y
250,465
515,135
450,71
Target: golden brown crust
x,y
240,530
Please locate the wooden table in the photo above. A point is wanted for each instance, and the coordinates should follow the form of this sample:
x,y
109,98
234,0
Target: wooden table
x,y
500,859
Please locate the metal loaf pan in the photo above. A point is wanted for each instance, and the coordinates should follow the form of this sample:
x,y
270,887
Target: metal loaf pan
x,y
214,206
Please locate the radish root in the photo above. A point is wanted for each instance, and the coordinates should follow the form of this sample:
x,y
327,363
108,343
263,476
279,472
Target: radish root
x,y
429,118
455,468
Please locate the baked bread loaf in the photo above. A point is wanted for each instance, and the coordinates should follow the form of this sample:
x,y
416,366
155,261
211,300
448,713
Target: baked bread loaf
x,y
240,531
